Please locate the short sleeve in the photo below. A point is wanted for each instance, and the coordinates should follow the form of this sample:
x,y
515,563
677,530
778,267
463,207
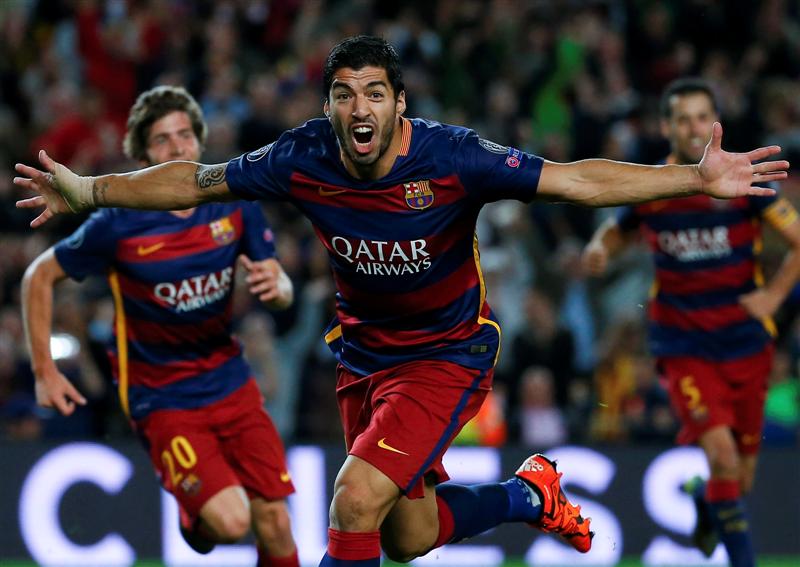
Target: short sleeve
x,y
491,172
263,173
258,241
90,249
628,219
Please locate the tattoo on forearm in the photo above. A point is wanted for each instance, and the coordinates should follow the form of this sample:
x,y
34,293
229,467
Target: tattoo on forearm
x,y
210,175
99,189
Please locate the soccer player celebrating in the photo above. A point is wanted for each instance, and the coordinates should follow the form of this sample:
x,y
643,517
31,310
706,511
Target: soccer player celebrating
x,y
710,325
182,378
395,202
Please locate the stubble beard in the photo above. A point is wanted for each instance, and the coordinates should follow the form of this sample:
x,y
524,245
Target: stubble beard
x,y
686,158
365,160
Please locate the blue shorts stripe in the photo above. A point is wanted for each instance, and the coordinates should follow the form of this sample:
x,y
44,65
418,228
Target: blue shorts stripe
x,y
448,432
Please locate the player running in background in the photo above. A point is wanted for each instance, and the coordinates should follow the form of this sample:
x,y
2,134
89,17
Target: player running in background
x,y
710,316
395,202
181,375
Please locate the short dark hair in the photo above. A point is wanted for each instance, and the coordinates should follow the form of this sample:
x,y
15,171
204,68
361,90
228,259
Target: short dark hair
x,y
362,51
153,105
684,86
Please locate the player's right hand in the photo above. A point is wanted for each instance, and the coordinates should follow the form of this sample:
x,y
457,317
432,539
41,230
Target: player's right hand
x,y
594,259
727,175
59,189
53,389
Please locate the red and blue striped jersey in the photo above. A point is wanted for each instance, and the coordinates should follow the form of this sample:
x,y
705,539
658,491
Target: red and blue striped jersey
x,y
172,281
403,248
705,253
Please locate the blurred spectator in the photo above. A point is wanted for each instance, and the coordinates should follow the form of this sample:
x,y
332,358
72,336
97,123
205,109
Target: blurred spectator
x,y
615,378
110,47
263,124
222,138
18,418
647,413
80,130
540,342
576,309
541,421
222,96
579,411
488,428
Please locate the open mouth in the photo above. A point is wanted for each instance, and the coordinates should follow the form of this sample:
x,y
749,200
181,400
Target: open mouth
x,y
362,138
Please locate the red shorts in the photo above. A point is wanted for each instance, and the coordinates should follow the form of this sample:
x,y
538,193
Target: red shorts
x,y
231,442
707,394
402,420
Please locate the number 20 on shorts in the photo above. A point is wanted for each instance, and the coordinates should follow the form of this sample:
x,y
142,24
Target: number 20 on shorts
x,y
182,452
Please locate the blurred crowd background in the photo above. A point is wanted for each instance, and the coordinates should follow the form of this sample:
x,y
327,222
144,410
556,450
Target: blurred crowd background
x,y
563,79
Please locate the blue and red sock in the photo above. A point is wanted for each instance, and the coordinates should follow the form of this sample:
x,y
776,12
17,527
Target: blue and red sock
x,y
352,549
730,521
466,511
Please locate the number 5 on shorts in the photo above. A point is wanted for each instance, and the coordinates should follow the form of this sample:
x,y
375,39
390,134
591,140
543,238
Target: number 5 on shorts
x,y
182,452
691,392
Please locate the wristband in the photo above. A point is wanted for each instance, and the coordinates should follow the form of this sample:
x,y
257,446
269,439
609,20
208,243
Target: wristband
x,y
75,189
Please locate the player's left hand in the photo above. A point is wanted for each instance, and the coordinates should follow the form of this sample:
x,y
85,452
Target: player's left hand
x,y
57,189
727,175
759,303
594,259
267,281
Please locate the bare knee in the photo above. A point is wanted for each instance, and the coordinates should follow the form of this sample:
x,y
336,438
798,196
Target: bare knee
x,y
354,508
724,464
272,521
229,526
723,455
272,526
227,515
362,497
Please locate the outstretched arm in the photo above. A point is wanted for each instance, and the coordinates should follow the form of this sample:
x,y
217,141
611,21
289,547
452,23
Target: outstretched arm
x,y
721,174
53,389
168,186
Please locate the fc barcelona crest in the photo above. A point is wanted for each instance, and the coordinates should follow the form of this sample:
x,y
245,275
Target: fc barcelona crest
x,y
222,231
191,485
418,194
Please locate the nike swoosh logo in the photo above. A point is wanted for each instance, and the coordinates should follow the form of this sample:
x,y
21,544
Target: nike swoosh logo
x,y
285,477
147,250
330,193
382,444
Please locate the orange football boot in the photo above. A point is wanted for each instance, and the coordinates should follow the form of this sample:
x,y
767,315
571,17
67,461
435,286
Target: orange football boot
x,y
559,516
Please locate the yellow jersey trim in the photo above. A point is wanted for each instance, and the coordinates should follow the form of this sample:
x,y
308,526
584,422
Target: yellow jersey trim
x,y
333,334
122,342
758,273
482,320
780,214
